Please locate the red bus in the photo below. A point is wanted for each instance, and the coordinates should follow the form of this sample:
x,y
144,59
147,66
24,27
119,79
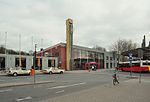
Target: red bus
x,y
137,66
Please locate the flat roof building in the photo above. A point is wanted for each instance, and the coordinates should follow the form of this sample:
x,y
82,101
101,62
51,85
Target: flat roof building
x,y
80,56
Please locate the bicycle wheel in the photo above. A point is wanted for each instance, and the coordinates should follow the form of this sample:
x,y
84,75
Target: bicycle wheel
x,y
114,82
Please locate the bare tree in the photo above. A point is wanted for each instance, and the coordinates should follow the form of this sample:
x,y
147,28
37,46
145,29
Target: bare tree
x,y
123,45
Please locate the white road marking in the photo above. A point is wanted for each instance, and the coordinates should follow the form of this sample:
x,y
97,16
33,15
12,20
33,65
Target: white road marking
x,y
59,87
60,91
6,90
21,99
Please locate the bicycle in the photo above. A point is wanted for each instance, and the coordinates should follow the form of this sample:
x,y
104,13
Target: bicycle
x,y
115,79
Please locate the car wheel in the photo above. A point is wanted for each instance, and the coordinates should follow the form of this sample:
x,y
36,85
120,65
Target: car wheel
x,y
14,74
61,72
50,72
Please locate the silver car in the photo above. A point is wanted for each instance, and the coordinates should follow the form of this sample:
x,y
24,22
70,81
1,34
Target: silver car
x,y
53,70
18,71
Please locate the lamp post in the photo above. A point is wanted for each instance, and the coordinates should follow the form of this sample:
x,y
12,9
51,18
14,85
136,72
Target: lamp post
x,y
118,53
140,55
118,58
6,58
34,61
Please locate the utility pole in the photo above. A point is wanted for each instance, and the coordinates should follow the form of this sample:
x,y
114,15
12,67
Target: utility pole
x,y
140,55
20,63
118,57
87,56
6,64
35,62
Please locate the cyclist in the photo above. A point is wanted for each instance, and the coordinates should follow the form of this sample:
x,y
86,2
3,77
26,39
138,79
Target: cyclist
x,y
115,79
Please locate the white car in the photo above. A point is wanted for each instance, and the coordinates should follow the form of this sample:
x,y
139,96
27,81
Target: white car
x,y
53,70
18,71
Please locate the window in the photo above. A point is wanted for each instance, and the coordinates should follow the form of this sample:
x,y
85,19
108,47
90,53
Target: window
x,y
22,63
107,65
107,58
51,63
2,63
110,65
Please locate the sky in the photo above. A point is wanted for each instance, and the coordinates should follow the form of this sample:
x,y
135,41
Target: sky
x,y
96,22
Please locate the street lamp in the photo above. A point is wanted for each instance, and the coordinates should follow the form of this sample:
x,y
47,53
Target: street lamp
x,y
118,58
35,56
34,61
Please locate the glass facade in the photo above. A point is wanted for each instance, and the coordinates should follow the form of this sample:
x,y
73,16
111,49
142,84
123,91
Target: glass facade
x,y
81,56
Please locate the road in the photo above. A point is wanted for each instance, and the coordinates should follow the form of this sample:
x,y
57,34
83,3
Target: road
x,y
61,84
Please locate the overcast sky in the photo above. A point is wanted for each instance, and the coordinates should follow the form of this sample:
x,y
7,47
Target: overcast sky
x,y
96,22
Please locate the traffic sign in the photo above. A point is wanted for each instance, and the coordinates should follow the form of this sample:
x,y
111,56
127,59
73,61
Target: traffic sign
x,y
130,57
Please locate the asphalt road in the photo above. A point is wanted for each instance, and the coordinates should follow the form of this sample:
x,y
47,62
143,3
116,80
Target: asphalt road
x,y
61,84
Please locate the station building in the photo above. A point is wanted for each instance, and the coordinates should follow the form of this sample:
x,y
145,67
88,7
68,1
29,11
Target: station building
x,y
80,56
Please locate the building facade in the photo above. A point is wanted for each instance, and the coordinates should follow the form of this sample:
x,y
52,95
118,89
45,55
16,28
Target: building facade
x,y
12,61
80,56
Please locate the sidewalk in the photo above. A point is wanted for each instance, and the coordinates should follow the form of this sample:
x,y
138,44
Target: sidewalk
x,y
129,91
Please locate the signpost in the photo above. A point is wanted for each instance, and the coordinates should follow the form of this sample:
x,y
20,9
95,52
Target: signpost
x,y
140,72
140,55
130,59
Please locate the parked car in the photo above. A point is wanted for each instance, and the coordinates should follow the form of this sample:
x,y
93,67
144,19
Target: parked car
x,y
53,70
18,71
